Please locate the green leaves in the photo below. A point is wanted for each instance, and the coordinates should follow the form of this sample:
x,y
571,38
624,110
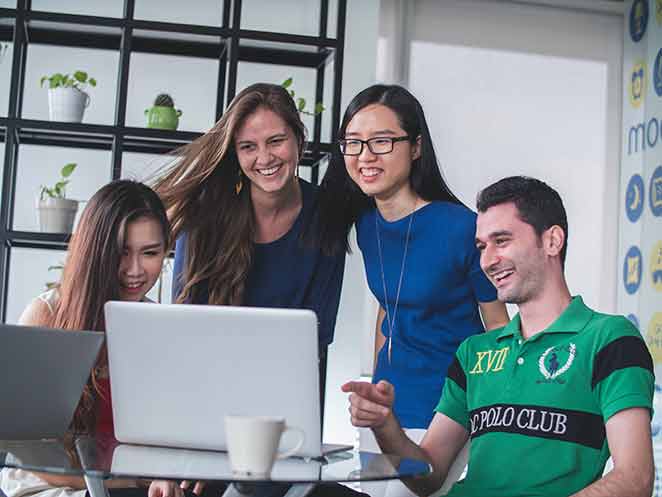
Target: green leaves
x,y
68,169
58,189
301,102
80,76
79,80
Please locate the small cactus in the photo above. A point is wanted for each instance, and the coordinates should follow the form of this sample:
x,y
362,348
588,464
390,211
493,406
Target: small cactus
x,y
164,100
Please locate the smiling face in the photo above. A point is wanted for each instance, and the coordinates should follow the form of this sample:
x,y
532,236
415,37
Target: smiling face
x,y
381,176
511,254
142,258
267,150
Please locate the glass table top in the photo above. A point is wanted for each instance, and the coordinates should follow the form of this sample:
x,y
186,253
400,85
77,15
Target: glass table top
x,y
104,458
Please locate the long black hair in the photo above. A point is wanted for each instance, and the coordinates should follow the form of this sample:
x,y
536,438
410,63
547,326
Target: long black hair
x,y
90,274
341,201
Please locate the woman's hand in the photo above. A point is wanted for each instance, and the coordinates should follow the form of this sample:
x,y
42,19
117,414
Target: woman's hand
x,y
164,488
197,488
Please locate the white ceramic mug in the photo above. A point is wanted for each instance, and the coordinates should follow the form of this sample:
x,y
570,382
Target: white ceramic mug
x,y
253,443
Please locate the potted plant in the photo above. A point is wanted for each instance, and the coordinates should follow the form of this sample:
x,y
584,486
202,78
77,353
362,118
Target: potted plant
x,y
163,114
56,213
67,98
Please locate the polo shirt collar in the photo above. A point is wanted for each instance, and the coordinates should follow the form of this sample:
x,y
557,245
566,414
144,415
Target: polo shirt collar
x,y
572,320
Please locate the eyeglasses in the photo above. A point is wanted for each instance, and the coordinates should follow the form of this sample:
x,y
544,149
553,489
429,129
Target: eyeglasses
x,y
377,145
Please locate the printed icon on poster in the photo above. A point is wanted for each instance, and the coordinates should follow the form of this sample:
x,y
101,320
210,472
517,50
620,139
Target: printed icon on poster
x,y
657,73
656,266
655,192
632,270
634,197
654,337
638,19
637,85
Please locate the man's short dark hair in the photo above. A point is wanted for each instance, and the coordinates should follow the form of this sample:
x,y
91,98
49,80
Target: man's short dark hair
x,y
538,204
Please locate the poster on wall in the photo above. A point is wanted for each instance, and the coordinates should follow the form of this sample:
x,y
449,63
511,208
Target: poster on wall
x,y
640,223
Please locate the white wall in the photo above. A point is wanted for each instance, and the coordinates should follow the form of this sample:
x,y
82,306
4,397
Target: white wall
x,y
520,89
192,84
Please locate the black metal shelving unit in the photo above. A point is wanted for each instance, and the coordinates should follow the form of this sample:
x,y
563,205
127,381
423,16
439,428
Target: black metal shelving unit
x,y
227,43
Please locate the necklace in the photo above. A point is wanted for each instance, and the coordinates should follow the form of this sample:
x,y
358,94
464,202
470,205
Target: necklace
x,y
390,321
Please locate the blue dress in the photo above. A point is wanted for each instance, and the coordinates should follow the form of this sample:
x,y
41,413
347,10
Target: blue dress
x,y
288,273
438,306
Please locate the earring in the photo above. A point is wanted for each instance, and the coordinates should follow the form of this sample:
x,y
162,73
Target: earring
x,y
239,185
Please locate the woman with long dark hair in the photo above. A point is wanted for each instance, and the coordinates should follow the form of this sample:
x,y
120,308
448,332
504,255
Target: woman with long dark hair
x,y
116,253
245,223
417,241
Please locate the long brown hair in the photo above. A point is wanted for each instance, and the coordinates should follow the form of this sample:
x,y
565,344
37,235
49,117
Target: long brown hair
x,y
90,274
200,197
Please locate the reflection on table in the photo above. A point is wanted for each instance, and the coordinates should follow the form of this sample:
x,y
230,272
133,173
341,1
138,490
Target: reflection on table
x,y
101,458
107,458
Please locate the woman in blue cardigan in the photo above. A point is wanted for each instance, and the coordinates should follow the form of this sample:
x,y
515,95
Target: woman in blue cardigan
x,y
245,223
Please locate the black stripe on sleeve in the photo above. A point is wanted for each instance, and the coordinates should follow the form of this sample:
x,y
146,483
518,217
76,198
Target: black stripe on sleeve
x,y
624,352
456,373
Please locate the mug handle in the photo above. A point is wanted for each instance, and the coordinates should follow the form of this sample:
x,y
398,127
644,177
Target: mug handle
x,y
297,447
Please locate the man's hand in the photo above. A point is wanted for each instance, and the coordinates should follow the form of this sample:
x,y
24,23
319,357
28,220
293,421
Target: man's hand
x,y
370,405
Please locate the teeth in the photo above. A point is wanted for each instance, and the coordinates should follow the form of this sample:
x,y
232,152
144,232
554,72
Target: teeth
x,y
268,172
501,275
133,285
369,171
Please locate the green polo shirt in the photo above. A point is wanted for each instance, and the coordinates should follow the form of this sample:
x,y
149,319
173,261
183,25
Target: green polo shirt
x,y
536,409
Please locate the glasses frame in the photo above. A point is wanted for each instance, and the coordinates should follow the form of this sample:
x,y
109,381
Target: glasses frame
x,y
393,140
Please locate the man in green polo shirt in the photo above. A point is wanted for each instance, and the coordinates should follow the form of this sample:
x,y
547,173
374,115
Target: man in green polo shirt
x,y
545,399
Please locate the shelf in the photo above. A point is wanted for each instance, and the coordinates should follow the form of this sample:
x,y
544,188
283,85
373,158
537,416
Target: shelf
x,y
35,240
100,137
227,44
165,38
38,240
56,126
273,54
7,13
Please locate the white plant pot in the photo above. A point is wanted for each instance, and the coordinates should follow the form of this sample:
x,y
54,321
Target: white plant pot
x,y
56,215
67,104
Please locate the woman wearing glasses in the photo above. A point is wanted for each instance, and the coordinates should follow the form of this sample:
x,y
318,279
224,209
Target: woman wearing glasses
x,y
417,241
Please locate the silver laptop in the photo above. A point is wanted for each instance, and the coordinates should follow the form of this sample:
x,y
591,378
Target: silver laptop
x,y
177,370
42,375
